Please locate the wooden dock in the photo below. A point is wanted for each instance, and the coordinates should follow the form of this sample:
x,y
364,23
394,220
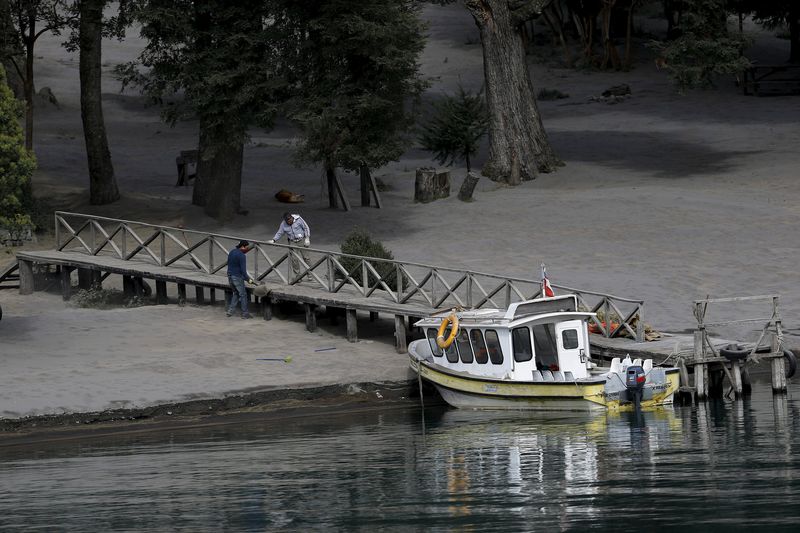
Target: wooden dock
x,y
93,248
97,247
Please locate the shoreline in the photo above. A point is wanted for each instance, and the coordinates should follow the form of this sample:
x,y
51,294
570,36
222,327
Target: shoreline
x,y
273,404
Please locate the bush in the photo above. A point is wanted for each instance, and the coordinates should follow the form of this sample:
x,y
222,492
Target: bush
x,y
16,163
359,242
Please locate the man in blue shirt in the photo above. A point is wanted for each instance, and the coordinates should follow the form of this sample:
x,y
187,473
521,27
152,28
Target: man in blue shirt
x,y
297,231
237,275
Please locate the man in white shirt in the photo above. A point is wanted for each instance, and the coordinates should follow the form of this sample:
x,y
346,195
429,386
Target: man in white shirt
x,y
297,231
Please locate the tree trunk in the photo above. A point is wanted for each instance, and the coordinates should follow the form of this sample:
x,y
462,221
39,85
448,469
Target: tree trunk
x,y
794,33
219,170
517,140
27,85
200,190
102,183
330,174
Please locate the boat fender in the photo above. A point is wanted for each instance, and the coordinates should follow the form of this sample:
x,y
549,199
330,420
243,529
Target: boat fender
x,y
791,362
452,321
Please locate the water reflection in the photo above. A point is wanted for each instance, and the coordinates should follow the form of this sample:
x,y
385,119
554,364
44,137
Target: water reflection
x,y
723,465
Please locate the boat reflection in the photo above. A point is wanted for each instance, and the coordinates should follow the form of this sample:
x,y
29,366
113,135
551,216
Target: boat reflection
x,y
478,457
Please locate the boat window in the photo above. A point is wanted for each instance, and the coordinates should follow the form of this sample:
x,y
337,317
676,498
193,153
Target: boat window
x,y
478,346
437,352
521,340
493,345
569,337
450,351
464,349
544,341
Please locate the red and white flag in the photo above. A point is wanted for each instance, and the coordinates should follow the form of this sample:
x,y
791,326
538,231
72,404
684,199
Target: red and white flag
x,y
547,290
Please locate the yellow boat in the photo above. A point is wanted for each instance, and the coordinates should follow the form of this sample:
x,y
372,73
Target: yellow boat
x,y
532,356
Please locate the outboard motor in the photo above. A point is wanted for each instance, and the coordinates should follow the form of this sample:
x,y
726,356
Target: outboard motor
x,y
635,378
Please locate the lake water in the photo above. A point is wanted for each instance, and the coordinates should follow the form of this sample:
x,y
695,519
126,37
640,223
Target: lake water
x,y
722,466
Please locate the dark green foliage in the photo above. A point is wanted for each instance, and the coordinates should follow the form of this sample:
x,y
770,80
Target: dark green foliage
x,y
458,124
359,242
775,14
16,163
704,48
210,60
358,78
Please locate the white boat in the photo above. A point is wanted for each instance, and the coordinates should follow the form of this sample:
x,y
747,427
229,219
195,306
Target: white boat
x,y
532,356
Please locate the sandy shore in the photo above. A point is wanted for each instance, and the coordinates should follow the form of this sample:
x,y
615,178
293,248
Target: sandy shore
x,y
664,197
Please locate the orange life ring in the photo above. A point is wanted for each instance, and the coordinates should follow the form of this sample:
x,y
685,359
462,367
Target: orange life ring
x,y
452,321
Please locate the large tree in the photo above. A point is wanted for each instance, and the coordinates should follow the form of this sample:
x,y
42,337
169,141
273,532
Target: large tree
x,y
31,19
214,61
102,183
518,144
358,78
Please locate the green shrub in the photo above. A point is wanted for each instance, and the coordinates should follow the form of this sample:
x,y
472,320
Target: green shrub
x,y
16,163
359,242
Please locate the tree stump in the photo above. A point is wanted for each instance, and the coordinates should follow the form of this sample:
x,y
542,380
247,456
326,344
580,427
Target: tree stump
x,y
431,185
468,187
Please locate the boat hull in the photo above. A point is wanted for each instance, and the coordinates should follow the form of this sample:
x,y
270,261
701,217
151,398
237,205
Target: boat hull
x,y
469,392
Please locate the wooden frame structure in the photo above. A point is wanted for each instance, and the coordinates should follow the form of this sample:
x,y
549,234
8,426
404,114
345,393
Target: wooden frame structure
x,y
710,366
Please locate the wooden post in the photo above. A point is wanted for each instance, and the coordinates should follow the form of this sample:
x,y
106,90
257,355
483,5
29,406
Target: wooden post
x,y
25,277
311,317
228,296
181,294
701,380
747,387
333,315
777,364
212,296
700,368
468,187
737,379
431,185
266,306
97,280
198,295
352,325
128,287
400,334
161,291
778,375
364,171
84,279
66,283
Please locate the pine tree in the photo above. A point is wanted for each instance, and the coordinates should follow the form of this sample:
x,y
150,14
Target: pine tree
x,y
358,79
16,163
455,131
704,48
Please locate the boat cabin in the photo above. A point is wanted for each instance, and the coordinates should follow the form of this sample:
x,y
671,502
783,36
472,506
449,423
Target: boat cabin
x,y
545,339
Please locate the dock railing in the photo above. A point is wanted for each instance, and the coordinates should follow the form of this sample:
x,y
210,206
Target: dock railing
x,y
396,281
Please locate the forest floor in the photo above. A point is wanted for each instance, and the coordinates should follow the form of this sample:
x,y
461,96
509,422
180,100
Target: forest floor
x,y
663,197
